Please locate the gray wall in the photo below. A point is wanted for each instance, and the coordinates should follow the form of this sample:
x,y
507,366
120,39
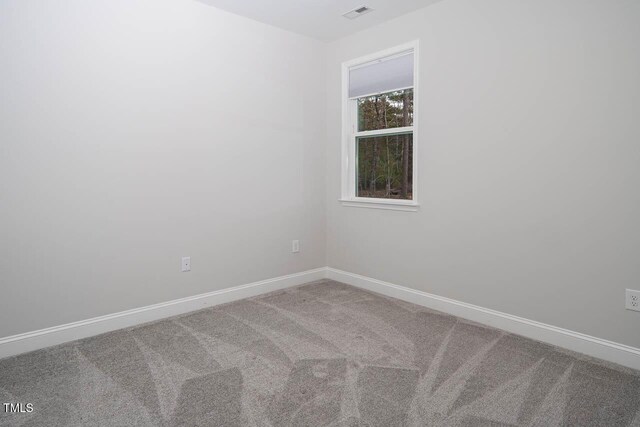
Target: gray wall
x,y
134,132
529,162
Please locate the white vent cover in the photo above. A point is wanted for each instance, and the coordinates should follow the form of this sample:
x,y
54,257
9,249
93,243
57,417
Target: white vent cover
x,y
362,10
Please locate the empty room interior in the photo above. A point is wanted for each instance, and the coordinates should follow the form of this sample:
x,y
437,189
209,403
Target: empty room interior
x,y
320,213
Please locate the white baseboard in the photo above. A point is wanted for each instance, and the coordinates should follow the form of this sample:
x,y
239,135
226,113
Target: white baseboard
x,y
42,338
607,350
596,347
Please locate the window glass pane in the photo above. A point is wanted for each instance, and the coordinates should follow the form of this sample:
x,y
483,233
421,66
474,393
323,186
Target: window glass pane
x,y
387,110
385,166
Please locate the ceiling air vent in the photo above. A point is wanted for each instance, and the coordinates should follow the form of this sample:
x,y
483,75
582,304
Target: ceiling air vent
x,y
362,10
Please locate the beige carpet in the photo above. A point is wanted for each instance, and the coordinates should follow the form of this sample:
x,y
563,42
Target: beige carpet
x,y
320,354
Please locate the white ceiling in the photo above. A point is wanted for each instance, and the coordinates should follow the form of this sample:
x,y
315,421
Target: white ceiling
x,y
320,19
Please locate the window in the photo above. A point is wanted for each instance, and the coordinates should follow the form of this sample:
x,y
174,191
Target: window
x,y
379,119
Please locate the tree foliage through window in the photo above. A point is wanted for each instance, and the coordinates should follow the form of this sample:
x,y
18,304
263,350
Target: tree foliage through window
x,y
385,162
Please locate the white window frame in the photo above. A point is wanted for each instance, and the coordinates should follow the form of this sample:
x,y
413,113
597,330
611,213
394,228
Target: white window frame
x,y
350,134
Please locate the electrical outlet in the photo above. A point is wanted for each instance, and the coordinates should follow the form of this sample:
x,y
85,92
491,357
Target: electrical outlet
x,y
186,264
633,300
295,246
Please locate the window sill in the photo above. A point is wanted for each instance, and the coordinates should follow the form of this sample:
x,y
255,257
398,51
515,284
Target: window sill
x,y
394,205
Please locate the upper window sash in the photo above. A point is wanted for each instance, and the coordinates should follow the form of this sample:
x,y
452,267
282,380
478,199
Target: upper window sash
x,y
386,110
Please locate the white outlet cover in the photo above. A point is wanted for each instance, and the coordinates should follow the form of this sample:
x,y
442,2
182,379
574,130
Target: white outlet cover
x,y
295,246
186,264
632,300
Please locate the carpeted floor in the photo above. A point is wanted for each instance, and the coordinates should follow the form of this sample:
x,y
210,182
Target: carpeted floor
x,y
319,354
